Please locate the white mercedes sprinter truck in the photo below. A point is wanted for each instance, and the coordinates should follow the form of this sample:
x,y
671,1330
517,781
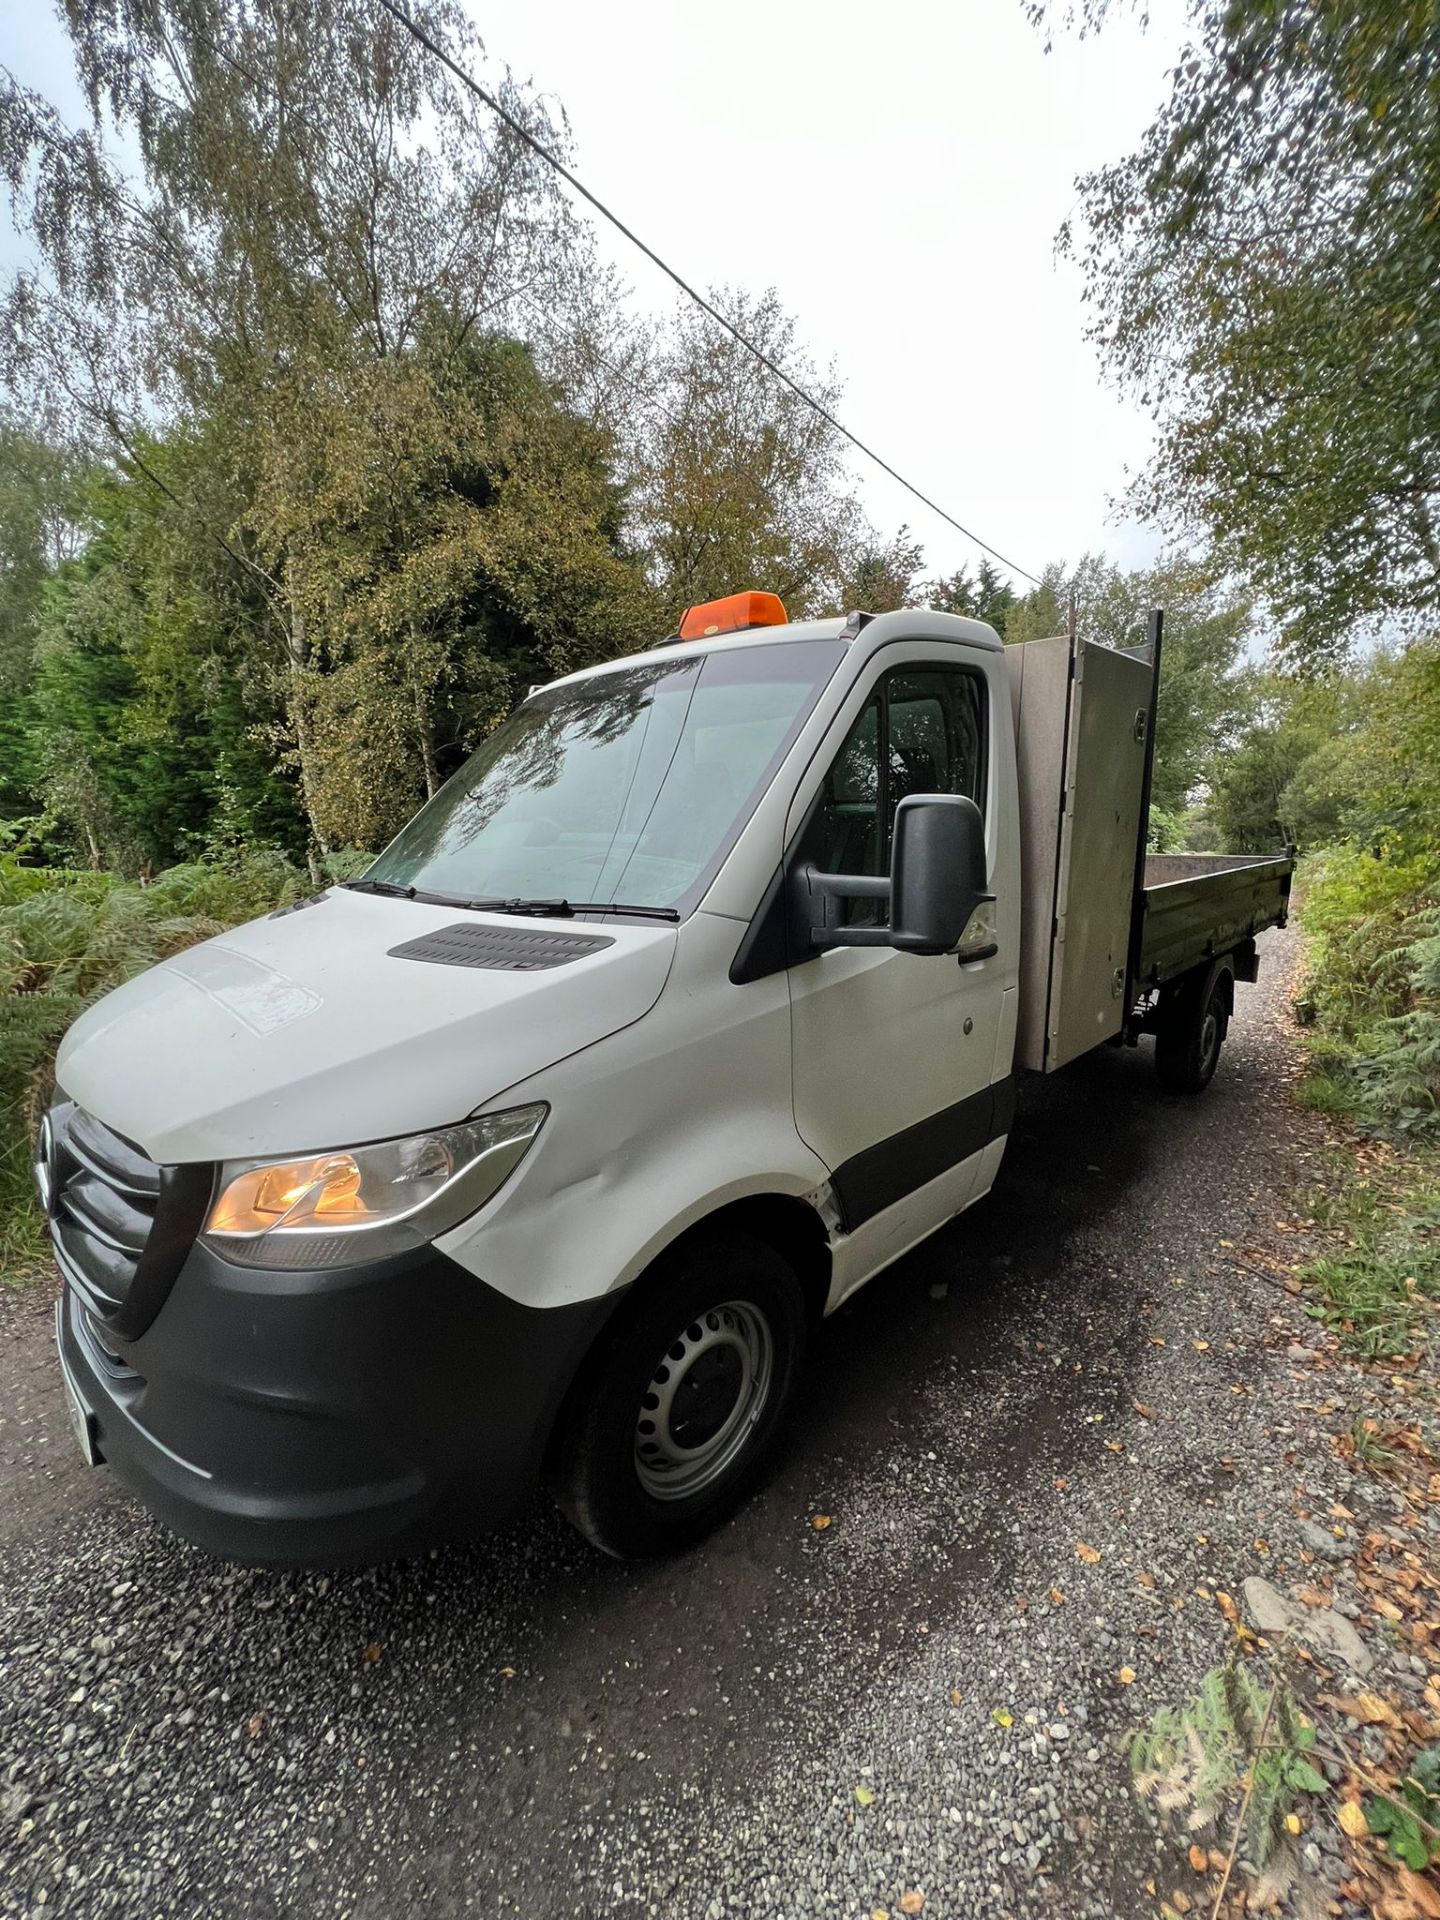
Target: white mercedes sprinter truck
x,y
688,1005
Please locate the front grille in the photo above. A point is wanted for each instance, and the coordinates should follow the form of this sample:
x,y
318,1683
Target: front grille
x,y
121,1226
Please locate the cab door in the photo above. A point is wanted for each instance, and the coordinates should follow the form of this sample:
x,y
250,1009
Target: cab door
x,y
893,1053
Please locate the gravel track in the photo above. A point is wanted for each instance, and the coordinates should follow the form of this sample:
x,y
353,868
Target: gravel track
x,y
523,1728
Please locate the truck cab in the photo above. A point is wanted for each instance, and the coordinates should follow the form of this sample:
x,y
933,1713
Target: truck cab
x,y
687,1006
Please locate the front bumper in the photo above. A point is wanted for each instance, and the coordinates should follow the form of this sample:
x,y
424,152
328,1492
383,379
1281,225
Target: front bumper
x,y
324,1418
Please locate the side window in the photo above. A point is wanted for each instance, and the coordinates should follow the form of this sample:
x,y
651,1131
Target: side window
x,y
921,731
851,803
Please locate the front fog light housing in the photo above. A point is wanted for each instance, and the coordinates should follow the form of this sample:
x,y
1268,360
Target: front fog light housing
x,y
363,1203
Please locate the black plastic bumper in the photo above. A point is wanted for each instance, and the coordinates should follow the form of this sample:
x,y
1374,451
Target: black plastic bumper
x,y
323,1418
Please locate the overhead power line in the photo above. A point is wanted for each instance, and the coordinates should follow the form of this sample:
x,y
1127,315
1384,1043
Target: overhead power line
x,y
522,132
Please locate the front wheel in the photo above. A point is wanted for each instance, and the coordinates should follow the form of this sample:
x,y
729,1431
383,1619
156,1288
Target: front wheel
x,y
1191,1033
668,1424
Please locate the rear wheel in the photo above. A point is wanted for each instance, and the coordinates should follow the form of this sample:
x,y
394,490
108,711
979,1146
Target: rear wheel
x,y
667,1427
1193,1023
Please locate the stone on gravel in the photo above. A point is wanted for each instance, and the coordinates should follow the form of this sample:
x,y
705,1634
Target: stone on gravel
x,y
1270,1612
1320,1540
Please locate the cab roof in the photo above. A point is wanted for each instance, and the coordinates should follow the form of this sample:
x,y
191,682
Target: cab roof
x,y
908,623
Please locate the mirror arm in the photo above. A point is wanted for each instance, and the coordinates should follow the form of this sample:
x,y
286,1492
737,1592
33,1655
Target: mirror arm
x,y
850,936
847,886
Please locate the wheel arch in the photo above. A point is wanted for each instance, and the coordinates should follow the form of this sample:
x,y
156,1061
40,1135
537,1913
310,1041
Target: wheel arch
x,y
789,1225
782,1221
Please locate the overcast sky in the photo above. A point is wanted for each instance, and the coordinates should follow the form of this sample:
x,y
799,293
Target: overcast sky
x,y
898,173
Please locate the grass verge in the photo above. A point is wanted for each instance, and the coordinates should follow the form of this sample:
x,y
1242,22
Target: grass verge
x,y
1377,1284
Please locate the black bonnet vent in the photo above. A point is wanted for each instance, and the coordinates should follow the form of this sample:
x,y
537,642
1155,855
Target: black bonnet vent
x,y
503,949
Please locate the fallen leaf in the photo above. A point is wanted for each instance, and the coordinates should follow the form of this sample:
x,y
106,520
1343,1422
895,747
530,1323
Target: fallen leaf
x,y
913,1901
1084,1551
1201,1346
1374,1711
955,1696
1292,1823
1057,1598
865,1795
819,1521
1062,1485
371,1653
879,1913
1116,1446
506,1673
255,1725
1003,1717
1352,1819
1421,1893
1145,1579
1181,1901
1227,1606
1199,1859
1143,1411
1127,1676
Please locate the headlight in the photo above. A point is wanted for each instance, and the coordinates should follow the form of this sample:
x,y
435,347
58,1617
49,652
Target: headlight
x,y
363,1203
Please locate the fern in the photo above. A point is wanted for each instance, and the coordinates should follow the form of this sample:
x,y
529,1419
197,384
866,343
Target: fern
x,y
66,938
1193,1762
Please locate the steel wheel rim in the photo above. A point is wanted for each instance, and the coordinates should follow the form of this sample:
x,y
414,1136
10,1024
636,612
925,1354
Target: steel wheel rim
x,y
705,1397
1210,1038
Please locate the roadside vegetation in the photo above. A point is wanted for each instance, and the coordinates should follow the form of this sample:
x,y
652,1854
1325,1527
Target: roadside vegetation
x,y
1263,272
68,936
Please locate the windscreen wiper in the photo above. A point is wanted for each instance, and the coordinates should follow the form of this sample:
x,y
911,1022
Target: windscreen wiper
x,y
567,909
425,898
387,887
541,909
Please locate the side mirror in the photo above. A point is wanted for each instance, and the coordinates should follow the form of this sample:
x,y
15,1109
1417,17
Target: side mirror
x,y
937,872
935,885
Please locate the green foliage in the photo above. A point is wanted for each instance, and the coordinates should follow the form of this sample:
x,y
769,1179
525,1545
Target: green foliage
x,y
738,483
1373,985
1375,1303
882,578
1206,624
987,597
1166,830
1264,271
68,937
1409,1825
1192,1761
1377,1293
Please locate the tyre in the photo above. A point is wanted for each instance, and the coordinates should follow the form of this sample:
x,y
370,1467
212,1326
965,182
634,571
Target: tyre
x,y
1191,1033
667,1427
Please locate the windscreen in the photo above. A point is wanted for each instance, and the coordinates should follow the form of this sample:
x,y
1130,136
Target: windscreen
x,y
627,787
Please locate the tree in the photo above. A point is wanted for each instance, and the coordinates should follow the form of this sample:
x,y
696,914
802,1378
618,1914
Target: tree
x,y
881,578
38,529
1043,611
987,597
740,482
1265,272
137,720
322,227
471,558
1207,622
